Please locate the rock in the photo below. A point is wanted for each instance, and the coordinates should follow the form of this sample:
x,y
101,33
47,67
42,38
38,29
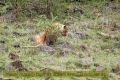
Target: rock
x,y
69,23
2,3
105,35
117,44
13,56
84,47
14,33
15,66
47,49
116,26
77,9
96,64
63,52
3,40
79,35
65,45
9,67
85,25
109,50
70,9
116,69
86,60
22,69
117,59
5,27
109,6
16,45
100,68
86,66
95,11
113,33
3,48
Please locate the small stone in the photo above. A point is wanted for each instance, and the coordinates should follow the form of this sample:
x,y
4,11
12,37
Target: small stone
x,y
100,68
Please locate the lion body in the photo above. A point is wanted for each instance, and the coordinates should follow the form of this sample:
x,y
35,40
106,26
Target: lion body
x,y
40,38
49,36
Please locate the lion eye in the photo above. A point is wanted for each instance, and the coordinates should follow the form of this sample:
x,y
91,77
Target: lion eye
x,y
64,26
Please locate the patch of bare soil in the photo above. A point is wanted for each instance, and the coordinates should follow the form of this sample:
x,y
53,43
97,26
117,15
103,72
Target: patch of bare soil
x,y
47,49
66,45
13,56
79,35
15,66
117,44
3,48
116,69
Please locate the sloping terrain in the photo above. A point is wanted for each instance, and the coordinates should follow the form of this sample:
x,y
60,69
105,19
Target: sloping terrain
x,y
92,43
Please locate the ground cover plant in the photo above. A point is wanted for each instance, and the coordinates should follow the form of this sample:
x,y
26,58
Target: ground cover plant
x,y
92,42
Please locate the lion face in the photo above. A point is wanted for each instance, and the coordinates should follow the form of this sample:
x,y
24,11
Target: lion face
x,y
61,27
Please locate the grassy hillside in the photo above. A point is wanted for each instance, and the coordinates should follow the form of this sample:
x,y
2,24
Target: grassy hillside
x,y
92,43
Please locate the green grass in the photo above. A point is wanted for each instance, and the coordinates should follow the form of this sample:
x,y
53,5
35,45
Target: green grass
x,y
35,60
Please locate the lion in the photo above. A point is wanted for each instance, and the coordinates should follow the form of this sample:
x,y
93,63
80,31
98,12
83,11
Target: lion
x,y
49,36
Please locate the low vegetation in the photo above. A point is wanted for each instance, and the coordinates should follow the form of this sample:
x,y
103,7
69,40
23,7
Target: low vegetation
x,y
92,42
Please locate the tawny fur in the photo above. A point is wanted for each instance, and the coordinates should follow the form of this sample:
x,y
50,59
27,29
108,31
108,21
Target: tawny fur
x,y
41,39
58,25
